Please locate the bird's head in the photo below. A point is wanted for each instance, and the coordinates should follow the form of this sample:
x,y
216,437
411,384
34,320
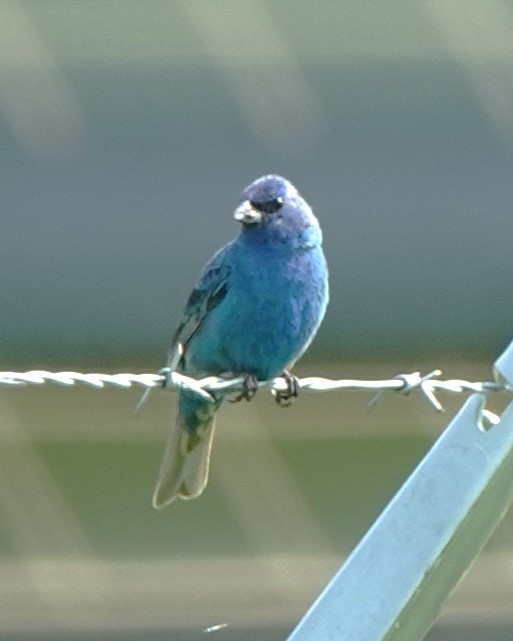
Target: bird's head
x,y
271,209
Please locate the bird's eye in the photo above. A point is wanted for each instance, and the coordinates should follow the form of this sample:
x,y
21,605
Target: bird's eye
x,y
268,206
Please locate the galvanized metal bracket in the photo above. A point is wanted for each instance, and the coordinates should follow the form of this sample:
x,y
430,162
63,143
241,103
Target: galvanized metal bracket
x,y
393,585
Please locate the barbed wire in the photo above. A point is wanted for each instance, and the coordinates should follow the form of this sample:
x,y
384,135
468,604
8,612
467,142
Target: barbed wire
x,y
428,384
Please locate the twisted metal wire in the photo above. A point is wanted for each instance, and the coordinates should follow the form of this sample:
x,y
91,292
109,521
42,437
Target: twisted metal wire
x,y
428,384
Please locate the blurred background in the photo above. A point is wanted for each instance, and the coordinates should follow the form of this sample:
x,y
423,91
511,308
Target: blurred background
x,y
127,132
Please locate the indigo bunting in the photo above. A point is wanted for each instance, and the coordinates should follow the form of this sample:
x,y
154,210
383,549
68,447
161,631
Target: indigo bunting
x,y
255,310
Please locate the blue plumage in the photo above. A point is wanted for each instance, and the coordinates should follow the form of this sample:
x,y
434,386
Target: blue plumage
x,y
255,310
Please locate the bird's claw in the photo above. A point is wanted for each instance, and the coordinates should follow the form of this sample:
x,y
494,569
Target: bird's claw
x,y
284,397
249,389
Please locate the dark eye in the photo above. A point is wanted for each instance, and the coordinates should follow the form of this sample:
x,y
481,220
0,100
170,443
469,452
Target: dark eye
x,y
268,206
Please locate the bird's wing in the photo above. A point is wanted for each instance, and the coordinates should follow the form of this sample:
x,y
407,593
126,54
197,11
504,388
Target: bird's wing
x,y
208,293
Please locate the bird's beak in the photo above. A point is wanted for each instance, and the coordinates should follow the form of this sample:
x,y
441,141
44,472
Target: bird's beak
x,y
247,214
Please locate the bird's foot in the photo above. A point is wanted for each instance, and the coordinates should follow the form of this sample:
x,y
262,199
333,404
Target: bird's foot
x,y
249,389
284,397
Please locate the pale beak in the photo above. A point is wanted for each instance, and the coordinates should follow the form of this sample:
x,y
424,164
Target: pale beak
x,y
247,214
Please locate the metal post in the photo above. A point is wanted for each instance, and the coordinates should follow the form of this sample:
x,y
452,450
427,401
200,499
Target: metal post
x,y
394,583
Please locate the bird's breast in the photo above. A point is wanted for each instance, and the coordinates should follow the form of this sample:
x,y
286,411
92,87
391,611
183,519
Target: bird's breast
x,y
271,311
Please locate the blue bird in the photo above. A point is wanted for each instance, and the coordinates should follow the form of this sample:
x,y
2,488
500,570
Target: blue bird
x,y
255,310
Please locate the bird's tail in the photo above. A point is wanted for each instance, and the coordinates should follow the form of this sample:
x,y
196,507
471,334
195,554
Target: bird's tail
x,y
184,470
